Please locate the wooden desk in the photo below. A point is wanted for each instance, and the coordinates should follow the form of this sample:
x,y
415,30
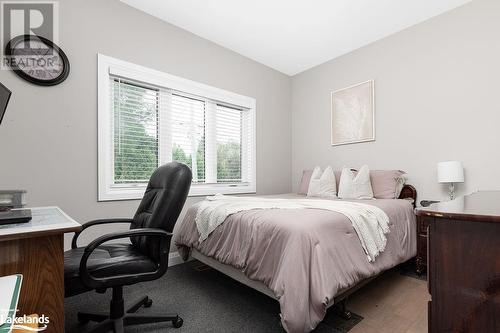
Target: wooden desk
x,y
464,263
36,250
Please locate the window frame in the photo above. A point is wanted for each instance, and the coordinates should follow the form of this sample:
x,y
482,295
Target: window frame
x,y
107,67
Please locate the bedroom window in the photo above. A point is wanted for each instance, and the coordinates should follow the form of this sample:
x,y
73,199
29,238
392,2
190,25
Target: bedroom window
x,y
148,118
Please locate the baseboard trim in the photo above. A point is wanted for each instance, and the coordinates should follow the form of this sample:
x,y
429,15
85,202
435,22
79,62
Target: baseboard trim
x,y
174,258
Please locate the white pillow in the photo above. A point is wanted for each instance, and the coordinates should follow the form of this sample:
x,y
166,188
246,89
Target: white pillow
x,y
355,187
322,184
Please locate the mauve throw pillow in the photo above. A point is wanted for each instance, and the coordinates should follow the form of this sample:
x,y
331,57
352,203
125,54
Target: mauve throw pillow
x,y
386,183
304,182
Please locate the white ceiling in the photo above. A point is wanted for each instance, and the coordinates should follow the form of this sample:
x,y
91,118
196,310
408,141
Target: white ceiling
x,y
294,35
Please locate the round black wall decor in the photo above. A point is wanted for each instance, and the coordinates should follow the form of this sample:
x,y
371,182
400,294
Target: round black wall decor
x,y
37,60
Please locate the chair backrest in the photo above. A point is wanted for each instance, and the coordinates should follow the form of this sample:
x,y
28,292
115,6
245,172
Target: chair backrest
x,y
161,205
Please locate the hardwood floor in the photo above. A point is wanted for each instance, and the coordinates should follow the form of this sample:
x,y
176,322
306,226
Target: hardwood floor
x,y
392,303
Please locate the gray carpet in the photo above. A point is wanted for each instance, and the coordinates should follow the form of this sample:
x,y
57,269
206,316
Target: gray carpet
x,y
207,300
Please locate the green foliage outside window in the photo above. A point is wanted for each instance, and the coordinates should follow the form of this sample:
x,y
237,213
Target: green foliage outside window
x,y
136,161
228,162
135,149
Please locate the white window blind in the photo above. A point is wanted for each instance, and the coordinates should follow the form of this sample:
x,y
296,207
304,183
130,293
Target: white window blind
x,y
135,131
187,130
228,132
148,122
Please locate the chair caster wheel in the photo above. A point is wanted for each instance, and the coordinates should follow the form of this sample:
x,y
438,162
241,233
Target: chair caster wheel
x,y
178,322
148,303
82,319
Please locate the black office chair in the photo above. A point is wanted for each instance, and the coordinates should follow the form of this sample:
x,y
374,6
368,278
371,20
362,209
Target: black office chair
x,y
100,266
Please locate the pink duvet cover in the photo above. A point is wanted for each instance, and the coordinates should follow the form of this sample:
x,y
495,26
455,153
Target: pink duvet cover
x,y
306,257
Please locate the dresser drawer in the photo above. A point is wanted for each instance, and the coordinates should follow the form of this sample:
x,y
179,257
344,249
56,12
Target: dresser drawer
x,y
422,234
422,247
423,224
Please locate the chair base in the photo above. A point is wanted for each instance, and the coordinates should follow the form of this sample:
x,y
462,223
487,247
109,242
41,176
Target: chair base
x,y
117,319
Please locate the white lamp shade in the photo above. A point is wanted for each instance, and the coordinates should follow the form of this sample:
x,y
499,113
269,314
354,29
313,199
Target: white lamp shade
x,y
450,172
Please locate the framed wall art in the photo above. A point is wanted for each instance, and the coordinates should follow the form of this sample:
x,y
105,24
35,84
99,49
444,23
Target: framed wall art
x,y
353,114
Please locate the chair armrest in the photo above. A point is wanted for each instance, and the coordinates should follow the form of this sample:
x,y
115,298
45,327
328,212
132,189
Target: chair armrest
x,y
118,280
96,222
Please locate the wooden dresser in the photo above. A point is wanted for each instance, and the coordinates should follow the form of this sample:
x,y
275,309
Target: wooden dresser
x,y
464,263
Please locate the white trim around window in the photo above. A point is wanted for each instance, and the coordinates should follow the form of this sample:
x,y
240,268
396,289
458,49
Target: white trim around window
x,y
163,90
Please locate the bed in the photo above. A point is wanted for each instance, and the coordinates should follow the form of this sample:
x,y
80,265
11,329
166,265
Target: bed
x,y
306,259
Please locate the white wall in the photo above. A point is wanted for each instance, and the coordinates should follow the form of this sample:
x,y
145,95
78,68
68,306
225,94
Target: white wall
x,y
48,138
437,94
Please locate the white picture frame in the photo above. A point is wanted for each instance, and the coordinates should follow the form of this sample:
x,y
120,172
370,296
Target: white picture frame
x,y
353,114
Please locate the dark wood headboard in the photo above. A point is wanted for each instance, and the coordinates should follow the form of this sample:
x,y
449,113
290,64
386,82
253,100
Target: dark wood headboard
x,y
409,192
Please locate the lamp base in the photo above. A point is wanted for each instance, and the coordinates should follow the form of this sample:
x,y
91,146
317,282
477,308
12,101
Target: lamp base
x,y
451,191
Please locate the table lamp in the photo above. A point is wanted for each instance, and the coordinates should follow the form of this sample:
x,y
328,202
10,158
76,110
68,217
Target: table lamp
x,y
451,172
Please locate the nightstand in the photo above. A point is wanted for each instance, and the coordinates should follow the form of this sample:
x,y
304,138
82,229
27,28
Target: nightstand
x,y
422,235
422,232
463,270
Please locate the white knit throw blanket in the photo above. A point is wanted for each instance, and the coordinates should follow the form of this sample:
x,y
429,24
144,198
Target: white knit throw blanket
x,y
370,222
